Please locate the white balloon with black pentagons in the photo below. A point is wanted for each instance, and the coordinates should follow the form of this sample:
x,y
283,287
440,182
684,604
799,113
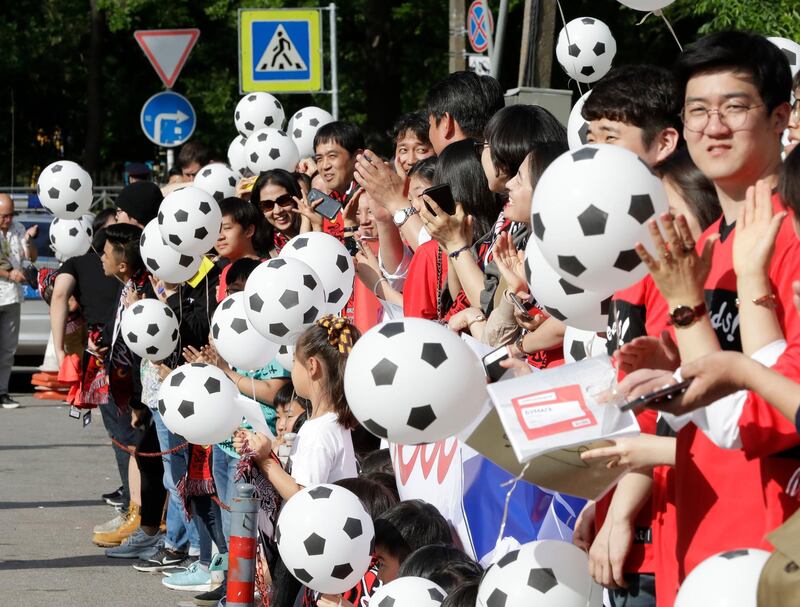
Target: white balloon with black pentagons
x,y
587,220
329,258
235,338
258,111
303,127
791,49
164,262
237,157
198,402
727,578
413,381
325,538
585,49
285,357
150,329
283,297
65,189
546,573
577,126
268,149
70,237
189,220
579,345
408,591
218,180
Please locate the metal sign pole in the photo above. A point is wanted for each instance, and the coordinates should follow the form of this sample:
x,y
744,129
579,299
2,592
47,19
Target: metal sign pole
x,y
497,48
334,63
170,159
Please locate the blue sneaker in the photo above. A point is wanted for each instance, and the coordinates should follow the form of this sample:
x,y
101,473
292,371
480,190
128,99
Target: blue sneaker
x,y
138,545
196,578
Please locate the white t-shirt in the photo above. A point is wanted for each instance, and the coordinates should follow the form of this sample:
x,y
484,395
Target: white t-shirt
x,y
322,452
13,249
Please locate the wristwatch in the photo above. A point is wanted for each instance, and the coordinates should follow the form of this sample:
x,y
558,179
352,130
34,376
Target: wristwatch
x,y
685,316
401,216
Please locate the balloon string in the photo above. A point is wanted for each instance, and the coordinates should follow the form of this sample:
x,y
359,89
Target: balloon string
x,y
669,27
569,42
513,482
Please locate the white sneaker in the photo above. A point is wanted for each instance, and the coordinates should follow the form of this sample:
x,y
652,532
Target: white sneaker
x,y
112,524
196,578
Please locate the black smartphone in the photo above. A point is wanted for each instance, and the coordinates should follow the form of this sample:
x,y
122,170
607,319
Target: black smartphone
x,y
443,196
659,397
519,305
491,363
329,207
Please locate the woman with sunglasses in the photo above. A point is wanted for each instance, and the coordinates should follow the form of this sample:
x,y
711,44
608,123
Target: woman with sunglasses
x,y
277,195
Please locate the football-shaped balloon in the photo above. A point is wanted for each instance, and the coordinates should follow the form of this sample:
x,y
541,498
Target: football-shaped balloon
x,y
197,401
395,382
791,49
727,578
579,345
646,5
258,111
164,262
547,573
270,149
65,189
303,127
587,220
328,257
235,338
409,591
283,297
325,538
218,180
189,220
70,237
150,329
585,49
577,126
236,155
285,357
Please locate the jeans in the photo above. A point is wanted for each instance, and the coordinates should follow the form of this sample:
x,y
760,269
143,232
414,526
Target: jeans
x,y
208,512
181,532
118,426
9,338
641,591
224,469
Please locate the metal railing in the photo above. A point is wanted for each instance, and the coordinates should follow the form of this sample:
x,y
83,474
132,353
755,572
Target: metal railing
x,y
103,196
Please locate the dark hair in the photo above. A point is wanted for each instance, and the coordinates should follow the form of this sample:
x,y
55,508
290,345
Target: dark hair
x,y
460,166
284,395
440,563
465,595
541,157
377,461
387,480
194,151
287,181
375,498
695,188
345,134
644,96
302,180
425,169
410,525
744,52
247,214
789,181
330,340
516,130
124,239
175,171
469,99
241,269
416,122
102,217
796,81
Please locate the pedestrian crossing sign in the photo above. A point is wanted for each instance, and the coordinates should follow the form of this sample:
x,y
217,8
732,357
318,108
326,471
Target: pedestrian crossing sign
x,y
280,50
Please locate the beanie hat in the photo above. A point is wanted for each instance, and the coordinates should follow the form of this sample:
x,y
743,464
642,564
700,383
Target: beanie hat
x,y
140,201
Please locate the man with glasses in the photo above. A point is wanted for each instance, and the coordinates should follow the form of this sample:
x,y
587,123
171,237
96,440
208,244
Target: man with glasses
x,y
16,246
794,118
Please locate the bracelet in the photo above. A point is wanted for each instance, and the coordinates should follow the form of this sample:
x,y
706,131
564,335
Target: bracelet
x,y
768,301
478,318
457,252
377,282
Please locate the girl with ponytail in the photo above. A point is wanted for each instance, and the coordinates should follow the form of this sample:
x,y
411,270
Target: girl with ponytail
x,y
323,450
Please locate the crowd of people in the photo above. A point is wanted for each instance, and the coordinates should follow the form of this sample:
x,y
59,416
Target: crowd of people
x,y
718,307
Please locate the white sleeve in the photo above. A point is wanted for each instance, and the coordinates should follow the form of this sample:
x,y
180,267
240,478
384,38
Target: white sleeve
x,y
397,279
313,464
719,421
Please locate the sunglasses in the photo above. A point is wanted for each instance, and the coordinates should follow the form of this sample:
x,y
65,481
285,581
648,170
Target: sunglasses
x,y
285,200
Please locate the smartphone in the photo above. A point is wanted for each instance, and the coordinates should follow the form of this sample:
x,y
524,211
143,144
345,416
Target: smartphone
x,y
328,208
518,304
491,363
443,196
659,397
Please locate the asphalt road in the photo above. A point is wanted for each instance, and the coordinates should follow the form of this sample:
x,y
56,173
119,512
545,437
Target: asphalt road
x,y
52,472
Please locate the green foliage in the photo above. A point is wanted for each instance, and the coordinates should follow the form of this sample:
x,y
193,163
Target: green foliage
x,y
768,17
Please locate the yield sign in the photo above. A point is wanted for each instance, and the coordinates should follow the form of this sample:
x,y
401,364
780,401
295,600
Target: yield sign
x,y
167,50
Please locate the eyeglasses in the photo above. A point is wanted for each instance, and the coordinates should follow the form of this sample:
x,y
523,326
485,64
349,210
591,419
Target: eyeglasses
x,y
282,201
732,115
794,117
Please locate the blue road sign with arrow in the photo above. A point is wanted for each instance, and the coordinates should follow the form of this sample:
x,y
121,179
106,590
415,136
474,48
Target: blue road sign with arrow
x,y
168,119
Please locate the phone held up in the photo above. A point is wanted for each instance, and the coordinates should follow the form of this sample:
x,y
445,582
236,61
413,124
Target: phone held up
x,y
443,196
491,363
658,398
328,208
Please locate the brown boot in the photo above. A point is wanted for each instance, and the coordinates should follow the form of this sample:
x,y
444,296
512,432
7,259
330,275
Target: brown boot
x,y
115,537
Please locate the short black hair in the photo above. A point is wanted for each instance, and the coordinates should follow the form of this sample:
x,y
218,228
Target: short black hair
x,y
744,52
443,564
194,151
470,99
241,269
425,169
247,214
644,96
695,188
375,498
541,157
377,461
789,181
345,134
410,525
386,479
302,179
465,595
101,217
416,122
284,395
513,132
124,240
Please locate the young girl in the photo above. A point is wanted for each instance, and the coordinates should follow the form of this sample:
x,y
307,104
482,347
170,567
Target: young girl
x,y
323,450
